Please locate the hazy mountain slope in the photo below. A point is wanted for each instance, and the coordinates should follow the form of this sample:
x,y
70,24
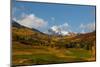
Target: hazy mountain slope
x,y
26,35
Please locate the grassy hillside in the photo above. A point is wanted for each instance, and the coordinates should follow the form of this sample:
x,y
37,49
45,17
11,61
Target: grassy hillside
x,y
30,47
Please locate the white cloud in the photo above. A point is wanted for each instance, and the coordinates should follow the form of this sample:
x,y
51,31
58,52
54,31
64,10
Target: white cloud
x,y
56,29
88,27
32,21
14,19
65,26
60,29
91,26
64,32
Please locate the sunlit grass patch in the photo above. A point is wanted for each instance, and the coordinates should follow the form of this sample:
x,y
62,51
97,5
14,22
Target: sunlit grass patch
x,y
80,53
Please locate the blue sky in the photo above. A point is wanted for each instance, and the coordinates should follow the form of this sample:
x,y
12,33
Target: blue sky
x,y
76,17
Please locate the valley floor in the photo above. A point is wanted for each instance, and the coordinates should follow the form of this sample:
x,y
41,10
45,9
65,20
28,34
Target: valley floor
x,y
33,55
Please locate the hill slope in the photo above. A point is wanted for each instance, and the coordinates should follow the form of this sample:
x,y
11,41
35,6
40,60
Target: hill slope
x,y
31,46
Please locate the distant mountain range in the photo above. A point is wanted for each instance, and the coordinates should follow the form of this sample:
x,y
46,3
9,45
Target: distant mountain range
x,y
17,25
30,36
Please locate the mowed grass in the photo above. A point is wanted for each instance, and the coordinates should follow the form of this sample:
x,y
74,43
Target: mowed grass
x,y
46,55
